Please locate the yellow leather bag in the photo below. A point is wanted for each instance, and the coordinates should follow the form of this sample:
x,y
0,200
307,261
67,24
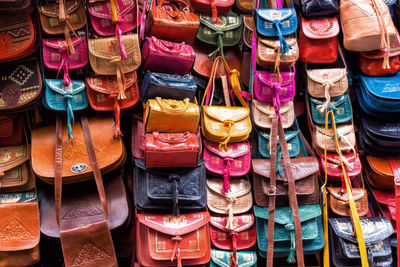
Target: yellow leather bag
x,y
225,124
171,116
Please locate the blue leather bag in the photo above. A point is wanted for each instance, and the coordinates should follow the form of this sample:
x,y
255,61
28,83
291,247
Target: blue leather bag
x,y
284,234
60,98
340,105
222,258
167,86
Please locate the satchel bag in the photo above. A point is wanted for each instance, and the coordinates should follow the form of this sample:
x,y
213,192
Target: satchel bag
x,y
166,21
21,85
379,172
169,189
213,7
168,86
76,163
234,162
171,116
181,149
11,130
155,52
333,168
224,124
318,40
62,97
185,239
18,6
264,112
340,105
221,258
18,36
226,31
20,234
319,8
339,201
103,95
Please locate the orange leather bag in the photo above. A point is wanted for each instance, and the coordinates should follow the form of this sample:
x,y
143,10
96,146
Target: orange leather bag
x,y
379,173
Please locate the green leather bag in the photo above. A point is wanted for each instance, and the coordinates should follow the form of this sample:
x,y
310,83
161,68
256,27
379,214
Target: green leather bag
x,y
284,234
222,258
340,105
226,32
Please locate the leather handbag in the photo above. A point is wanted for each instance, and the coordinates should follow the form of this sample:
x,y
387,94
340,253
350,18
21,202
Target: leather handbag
x,y
62,18
312,237
224,124
222,258
379,172
318,41
155,52
245,6
371,62
18,36
15,171
226,31
319,8
333,168
183,149
138,136
168,86
169,189
169,22
215,8
233,162
18,6
171,116
20,234
343,241
103,94
21,85
59,96
185,239
11,130
387,203
76,166
339,201
340,105
264,112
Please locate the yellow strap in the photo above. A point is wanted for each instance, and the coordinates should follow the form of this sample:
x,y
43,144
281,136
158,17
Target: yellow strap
x,y
115,10
354,215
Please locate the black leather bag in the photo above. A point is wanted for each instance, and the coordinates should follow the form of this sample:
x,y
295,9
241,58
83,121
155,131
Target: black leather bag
x,y
344,248
171,189
319,8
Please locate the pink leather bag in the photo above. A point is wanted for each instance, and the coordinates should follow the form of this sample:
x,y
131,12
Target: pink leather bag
x,y
156,52
235,161
56,57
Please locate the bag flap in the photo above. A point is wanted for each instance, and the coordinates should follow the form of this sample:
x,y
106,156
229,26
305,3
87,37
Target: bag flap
x,y
170,225
57,85
13,156
61,44
107,84
385,197
239,187
275,44
326,75
289,135
268,108
380,54
383,87
51,9
334,158
374,229
108,48
102,9
342,130
224,22
7,125
223,258
275,14
320,28
283,215
222,113
336,192
335,101
270,79
302,167
234,150
381,165
240,222
248,22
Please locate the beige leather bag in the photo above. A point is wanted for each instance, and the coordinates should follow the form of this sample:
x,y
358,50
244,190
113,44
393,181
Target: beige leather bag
x,y
264,112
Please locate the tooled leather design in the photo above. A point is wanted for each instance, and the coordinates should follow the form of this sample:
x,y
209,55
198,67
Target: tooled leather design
x,y
15,230
75,148
188,186
89,254
82,209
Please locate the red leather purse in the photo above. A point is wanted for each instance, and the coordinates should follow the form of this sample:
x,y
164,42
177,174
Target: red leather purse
x,y
353,165
11,130
172,149
318,40
165,240
215,7
387,202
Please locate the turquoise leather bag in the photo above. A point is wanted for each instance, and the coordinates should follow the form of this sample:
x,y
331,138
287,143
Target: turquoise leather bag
x,y
61,98
340,105
284,234
222,258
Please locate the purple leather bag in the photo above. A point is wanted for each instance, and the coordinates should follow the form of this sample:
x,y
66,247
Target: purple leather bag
x,y
266,86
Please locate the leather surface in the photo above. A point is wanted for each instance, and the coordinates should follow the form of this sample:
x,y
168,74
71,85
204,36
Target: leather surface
x,y
267,83
292,138
334,168
215,7
220,258
379,172
264,19
334,78
23,6
318,8
340,105
11,130
387,203
138,136
168,86
339,201
248,27
156,51
263,112
171,116
268,53
245,6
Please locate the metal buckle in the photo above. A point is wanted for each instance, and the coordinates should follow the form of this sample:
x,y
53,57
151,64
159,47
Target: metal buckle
x,y
273,189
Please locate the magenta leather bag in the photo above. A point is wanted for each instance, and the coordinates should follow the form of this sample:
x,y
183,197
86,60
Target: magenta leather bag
x,y
155,52
268,88
56,57
235,161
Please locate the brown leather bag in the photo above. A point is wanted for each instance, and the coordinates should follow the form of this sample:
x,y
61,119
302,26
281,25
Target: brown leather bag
x,y
11,130
269,54
20,6
339,201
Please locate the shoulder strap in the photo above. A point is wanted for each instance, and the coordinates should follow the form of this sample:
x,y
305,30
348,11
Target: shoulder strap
x,y
396,174
58,168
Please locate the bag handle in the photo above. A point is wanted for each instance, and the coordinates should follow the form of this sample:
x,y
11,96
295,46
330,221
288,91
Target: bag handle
x,y
167,45
172,107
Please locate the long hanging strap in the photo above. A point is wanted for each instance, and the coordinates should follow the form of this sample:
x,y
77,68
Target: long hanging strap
x,y
396,174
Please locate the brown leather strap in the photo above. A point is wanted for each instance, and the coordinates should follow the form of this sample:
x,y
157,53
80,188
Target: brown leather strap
x,y
58,168
93,162
272,192
292,195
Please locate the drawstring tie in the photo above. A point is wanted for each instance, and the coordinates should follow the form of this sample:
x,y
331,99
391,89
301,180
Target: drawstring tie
x,y
276,101
233,234
327,85
290,228
64,66
64,18
117,116
224,144
174,179
226,187
177,251
231,201
385,39
70,114
220,47
284,46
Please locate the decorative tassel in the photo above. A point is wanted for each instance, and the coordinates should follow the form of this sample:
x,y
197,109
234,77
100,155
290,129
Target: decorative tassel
x,y
117,116
322,108
70,115
290,228
284,46
177,251
224,144
121,83
71,48
229,223
226,187
233,235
